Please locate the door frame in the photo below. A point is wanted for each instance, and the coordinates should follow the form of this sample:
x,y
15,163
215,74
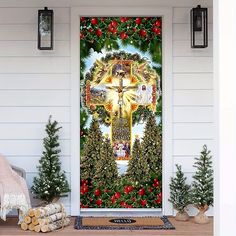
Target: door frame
x,y
167,96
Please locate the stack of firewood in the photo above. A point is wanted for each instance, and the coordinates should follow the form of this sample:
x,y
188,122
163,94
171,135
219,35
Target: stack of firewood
x,y
46,219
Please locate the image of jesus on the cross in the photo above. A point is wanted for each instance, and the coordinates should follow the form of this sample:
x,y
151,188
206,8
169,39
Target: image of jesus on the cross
x,y
120,92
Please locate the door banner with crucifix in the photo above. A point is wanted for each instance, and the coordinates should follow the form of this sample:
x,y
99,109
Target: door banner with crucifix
x,y
120,112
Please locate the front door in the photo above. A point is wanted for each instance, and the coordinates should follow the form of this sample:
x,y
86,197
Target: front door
x,y
121,112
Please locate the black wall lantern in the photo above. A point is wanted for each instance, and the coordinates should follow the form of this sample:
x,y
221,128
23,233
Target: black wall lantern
x,y
45,29
199,30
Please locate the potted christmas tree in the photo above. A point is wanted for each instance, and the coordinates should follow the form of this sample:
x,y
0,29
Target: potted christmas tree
x,y
51,183
202,186
180,195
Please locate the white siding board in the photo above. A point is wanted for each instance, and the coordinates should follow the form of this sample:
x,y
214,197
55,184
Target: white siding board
x,y
33,114
29,49
193,81
182,32
30,15
182,14
34,98
183,49
30,163
29,131
23,147
34,81
34,65
192,64
190,147
193,131
27,32
193,114
193,98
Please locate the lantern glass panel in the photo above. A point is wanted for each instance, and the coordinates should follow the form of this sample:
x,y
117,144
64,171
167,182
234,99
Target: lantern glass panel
x,y
45,30
199,34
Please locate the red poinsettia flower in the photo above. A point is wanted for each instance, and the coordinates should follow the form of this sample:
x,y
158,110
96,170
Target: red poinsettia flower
x,y
94,21
143,33
158,201
123,35
157,23
99,32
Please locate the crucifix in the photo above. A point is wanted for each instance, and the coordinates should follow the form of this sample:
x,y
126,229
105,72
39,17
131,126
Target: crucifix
x,y
121,88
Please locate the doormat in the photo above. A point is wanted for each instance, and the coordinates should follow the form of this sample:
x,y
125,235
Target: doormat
x,y
123,223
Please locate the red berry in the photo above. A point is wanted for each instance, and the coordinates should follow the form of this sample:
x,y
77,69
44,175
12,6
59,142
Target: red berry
x,y
143,33
141,192
123,35
81,36
123,204
143,202
130,188
82,19
106,190
138,20
158,201
113,199
123,19
117,195
159,195
114,23
150,190
99,202
157,23
158,31
94,21
97,192
99,32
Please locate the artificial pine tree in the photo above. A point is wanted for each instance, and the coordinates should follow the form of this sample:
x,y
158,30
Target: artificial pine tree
x,y
180,194
135,155
152,146
202,186
51,182
91,152
106,171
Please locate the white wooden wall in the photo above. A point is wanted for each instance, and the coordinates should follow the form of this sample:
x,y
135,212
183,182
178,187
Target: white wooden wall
x,y
35,84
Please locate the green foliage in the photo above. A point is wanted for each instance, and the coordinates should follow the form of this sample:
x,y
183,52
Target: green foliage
x,y
91,152
106,171
122,193
179,191
51,181
202,186
83,129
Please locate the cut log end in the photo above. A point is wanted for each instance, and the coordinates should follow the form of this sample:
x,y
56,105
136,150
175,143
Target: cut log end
x,y
35,221
27,219
31,227
24,226
44,228
31,212
37,228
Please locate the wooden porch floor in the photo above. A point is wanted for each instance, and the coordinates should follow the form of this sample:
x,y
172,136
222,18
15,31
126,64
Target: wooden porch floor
x,y
10,227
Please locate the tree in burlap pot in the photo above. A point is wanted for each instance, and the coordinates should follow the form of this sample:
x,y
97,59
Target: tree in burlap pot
x,y
180,194
202,186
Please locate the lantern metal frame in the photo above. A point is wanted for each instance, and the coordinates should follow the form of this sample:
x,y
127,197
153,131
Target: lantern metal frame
x,y
45,19
199,25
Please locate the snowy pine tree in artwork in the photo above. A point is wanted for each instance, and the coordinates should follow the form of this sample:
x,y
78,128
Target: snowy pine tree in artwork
x,y
51,182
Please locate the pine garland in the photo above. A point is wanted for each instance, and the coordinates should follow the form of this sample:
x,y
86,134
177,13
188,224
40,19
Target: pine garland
x,y
179,191
51,181
202,186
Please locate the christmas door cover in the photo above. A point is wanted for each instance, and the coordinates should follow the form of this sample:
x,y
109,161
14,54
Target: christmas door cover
x,y
120,112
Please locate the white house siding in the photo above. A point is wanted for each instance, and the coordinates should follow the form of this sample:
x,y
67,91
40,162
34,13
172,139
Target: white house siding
x,y
35,84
